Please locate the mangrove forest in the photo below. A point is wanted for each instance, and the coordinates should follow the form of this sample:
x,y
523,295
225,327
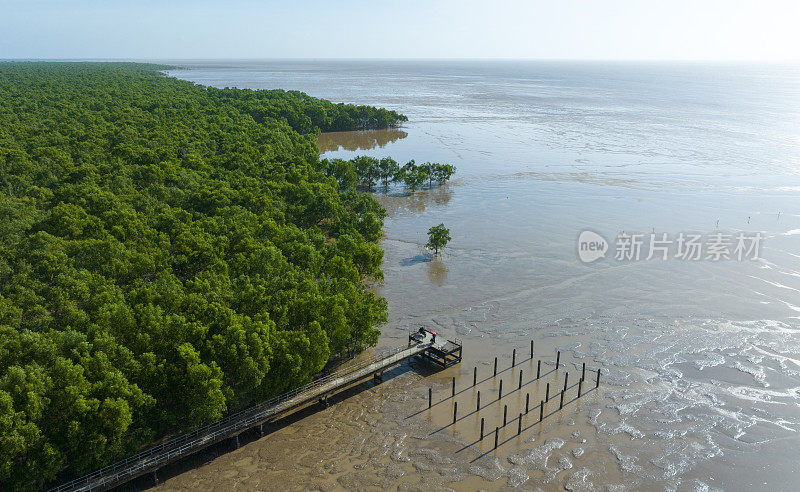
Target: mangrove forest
x,y
169,252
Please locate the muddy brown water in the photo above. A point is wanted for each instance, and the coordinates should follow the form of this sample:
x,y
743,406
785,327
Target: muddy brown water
x,y
700,386
356,140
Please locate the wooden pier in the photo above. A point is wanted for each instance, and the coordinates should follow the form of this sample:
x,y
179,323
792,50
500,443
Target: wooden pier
x,y
422,343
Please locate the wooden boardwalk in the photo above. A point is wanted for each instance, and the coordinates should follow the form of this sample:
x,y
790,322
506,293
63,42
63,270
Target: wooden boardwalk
x,y
437,349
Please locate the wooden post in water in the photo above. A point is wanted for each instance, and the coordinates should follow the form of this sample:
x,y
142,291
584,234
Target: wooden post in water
x,y
583,372
561,404
527,402
500,392
478,406
580,385
558,358
505,414
541,410
496,433
481,428
566,378
455,411
519,425
495,367
597,384
547,393
538,368
520,379
531,349
475,376
513,357
454,386
430,397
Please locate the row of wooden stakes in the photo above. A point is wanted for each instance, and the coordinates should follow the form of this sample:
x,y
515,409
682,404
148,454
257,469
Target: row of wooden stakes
x,y
542,403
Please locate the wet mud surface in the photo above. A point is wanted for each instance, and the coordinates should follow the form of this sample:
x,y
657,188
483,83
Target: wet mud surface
x,y
700,361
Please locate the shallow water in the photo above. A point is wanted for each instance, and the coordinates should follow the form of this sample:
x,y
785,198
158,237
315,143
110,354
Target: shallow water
x,y
357,140
700,385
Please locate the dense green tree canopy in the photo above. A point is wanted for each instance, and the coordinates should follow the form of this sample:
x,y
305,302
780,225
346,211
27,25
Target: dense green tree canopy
x,y
306,114
168,252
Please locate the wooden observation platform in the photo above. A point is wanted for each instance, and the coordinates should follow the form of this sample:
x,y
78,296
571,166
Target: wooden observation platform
x,y
423,343
441,351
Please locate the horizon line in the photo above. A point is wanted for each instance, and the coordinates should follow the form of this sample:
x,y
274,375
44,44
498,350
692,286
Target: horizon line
x,y
401,59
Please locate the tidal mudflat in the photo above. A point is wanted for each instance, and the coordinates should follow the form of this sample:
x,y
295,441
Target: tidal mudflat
x,y
700,359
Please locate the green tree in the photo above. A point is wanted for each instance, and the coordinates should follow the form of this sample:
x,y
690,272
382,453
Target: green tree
x,y
388,169
443,172
414,179
428,169
438,237
367,170
412,175
343,171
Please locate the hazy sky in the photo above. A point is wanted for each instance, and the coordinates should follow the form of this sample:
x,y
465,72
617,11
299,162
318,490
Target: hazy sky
x,y
571,29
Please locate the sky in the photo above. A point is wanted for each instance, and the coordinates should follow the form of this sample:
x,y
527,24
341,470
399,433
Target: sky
x,y
766,30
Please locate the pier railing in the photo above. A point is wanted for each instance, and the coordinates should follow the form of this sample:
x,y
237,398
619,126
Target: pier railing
x,y
208,434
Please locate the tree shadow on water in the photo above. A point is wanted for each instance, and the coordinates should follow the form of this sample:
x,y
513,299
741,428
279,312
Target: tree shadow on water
x,y
402,200
414,260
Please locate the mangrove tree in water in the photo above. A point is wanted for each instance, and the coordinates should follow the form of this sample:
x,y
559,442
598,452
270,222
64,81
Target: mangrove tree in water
x,y
365,171
438,237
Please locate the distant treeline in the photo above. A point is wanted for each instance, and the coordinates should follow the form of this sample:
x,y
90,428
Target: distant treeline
x,y
306,114
168,253
364,171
